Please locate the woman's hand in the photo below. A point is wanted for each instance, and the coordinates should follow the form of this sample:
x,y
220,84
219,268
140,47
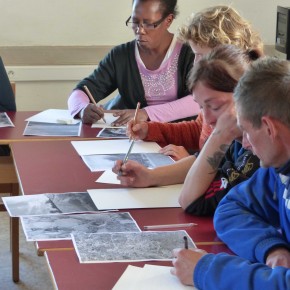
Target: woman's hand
x,y
178,152
133,174
137,131
227,125
126,115
92,114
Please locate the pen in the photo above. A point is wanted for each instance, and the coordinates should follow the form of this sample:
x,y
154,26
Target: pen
x,y
185,242
153,227
92,99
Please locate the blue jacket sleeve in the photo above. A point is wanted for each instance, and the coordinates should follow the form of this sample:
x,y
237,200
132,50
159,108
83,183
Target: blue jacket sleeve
x,y
248,218
224,271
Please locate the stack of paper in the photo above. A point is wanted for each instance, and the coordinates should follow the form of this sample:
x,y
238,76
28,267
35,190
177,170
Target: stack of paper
x,y
52,122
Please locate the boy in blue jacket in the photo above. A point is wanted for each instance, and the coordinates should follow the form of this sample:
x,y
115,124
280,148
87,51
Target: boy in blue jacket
x,y
253,219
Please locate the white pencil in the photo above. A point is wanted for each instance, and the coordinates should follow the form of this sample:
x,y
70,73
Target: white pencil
x,y
155,227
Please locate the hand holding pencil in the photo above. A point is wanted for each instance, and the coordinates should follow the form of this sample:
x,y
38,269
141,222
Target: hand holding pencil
x,y
92,112
132,142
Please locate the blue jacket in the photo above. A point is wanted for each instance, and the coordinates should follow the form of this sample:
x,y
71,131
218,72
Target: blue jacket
x,y
252,219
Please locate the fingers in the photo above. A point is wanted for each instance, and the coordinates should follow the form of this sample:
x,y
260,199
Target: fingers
x,y
121,121
178,152
134,131
117,166
124,117
92,113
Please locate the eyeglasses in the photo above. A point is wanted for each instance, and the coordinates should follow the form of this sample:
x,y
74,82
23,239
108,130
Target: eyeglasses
x,y
144,25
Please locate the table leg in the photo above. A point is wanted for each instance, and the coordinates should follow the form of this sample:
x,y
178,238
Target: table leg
x,y
15,248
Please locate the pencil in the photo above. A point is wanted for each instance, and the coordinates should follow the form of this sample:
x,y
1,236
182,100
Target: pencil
x,y
185,242
136,112
92,100
132,141
135,116
156,227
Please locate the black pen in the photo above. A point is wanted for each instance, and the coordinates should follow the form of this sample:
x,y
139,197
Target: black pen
x,y
185,242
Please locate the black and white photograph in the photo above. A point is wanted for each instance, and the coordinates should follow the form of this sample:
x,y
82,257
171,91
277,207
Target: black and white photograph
x,y
102,162
125,247
49,203
113,133
51,129
5,120
60,227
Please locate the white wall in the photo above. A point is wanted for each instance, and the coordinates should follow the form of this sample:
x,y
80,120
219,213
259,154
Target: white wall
x,y
93,23
101,22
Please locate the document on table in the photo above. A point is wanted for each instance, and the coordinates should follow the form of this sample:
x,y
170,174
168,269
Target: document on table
x,y
151,277
113,133
49,204
52,129
125,198
60,227
54,116
5,121
113,147
109,120
102,162
127,247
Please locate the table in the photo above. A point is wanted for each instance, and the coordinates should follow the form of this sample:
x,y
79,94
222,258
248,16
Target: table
x,y
55,167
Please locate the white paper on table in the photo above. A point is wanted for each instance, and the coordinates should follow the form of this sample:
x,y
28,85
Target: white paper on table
x,y
124,198
114,147
108,177
109,120
54,116
130,279
151,277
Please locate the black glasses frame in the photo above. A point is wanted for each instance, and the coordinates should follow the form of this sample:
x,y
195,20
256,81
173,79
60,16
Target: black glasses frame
x,y
154,24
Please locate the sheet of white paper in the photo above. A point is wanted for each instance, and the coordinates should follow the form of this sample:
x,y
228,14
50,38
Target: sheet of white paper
x,y
130,279
53,116
121,198
151,277
108,177
113,147
109,120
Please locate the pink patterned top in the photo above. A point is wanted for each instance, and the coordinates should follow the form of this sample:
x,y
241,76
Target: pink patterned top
x,y
160,88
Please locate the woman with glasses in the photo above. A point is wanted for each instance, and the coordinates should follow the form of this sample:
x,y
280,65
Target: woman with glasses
x,y
151,69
